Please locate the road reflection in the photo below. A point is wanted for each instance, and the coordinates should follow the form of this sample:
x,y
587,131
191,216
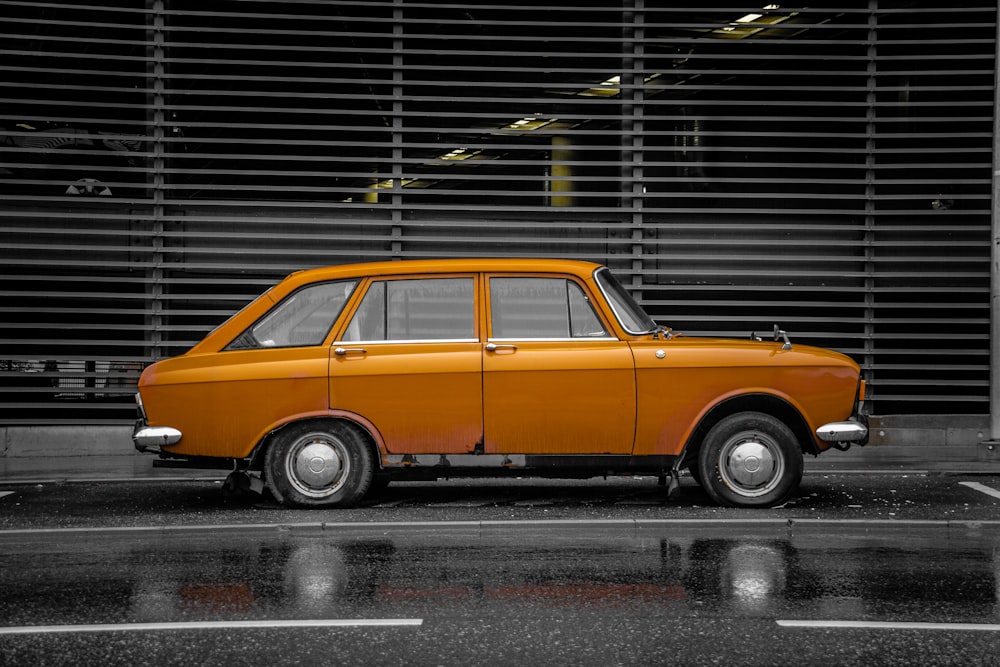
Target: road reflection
x,y
316,576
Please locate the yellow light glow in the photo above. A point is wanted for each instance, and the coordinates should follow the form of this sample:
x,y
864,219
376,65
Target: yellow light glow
x,y
387,184
606,88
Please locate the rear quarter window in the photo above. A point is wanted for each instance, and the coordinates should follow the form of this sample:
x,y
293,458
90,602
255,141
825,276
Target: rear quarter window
x,y
303,318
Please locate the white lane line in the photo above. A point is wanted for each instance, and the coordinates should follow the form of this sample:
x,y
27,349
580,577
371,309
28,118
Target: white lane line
x,y
982,487
211,625
890,625
4,494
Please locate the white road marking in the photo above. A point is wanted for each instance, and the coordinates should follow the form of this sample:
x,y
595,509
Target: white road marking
x,y
4,494
211,625
982,487
890,625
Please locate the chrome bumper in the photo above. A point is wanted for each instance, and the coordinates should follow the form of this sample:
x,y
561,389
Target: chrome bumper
x,y
149,439
851,431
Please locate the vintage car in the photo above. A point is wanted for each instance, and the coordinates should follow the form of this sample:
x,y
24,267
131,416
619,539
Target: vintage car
x,y
340,379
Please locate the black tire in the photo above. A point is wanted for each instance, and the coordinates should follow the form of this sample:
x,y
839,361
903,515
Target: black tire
x,y
695,473
750,459
319,464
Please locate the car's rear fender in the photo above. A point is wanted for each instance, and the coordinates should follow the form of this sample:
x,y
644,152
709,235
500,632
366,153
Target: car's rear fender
x,y
366,427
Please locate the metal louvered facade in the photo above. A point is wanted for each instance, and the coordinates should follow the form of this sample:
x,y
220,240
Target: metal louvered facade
x,y
827,168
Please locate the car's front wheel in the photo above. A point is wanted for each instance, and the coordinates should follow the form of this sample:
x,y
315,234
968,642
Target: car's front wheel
x,y
319,464
750,459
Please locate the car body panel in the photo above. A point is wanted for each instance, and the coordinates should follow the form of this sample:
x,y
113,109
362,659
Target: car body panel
x,y
697,374
224,403
629,396
423,397
559,397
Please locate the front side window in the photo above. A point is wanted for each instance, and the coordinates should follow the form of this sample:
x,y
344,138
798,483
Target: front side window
x,y
541,308
303,318
420,309
631,315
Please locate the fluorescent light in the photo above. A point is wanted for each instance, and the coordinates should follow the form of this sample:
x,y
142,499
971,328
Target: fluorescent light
x,y
529,123
460,154
751,24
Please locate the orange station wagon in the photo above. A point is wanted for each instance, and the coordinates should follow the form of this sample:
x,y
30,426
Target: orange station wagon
x,y
340,379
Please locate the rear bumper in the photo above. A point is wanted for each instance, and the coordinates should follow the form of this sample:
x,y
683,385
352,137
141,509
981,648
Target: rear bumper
x,y
149,439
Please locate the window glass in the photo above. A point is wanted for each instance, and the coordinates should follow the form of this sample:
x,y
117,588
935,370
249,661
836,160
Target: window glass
x,y
302,318
630,314
541,308
583,320
423,309
368,322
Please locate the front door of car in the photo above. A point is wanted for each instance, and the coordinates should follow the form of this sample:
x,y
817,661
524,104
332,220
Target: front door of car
x,y
410,362
555,381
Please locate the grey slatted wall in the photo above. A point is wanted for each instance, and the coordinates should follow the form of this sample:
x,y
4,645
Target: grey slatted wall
x,y
827,168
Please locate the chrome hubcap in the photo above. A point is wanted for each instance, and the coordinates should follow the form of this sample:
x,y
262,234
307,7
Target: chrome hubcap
x,y
751,464
317,465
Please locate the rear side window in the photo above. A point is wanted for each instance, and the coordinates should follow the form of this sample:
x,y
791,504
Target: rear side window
x,y
541,308
417,310
303,318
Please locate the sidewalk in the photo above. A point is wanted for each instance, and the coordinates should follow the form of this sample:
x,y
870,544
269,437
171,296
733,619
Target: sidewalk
x,y
111,468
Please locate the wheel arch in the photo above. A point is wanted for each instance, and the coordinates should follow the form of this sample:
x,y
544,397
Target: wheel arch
x,y
770,404
362,426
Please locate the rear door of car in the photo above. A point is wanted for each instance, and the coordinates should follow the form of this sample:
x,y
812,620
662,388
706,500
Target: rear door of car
x,y
409,360
555,380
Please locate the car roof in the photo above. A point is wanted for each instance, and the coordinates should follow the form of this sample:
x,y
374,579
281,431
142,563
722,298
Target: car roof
x,y
578,268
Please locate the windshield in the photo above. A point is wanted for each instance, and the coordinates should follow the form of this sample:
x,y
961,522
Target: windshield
x,y
631,315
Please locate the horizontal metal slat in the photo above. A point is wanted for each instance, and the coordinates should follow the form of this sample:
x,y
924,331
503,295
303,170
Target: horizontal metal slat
x,y
739,125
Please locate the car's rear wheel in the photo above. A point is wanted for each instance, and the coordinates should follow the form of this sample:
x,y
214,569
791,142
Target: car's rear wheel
x,y
319,464
750,459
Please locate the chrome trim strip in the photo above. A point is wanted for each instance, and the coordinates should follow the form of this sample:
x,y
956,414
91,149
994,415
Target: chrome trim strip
x,y
611,303
351,343
572,339
846,431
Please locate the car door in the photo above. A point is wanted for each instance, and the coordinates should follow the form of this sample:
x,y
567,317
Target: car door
x,y
409,361
555,381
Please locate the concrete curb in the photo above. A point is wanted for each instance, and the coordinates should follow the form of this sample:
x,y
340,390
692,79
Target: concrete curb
x,y
552,528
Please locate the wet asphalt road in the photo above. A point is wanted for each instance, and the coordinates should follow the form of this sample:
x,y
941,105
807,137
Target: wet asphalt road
x,y
527,571
911,496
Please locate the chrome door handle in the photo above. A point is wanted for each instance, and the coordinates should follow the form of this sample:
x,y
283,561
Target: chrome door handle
x,y
344,351
493,347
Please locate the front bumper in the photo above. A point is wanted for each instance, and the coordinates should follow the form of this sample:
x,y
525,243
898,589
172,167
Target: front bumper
x,y
845,433
150,439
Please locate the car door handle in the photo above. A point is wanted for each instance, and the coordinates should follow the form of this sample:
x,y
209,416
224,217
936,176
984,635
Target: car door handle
x,y
493,347
344,351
